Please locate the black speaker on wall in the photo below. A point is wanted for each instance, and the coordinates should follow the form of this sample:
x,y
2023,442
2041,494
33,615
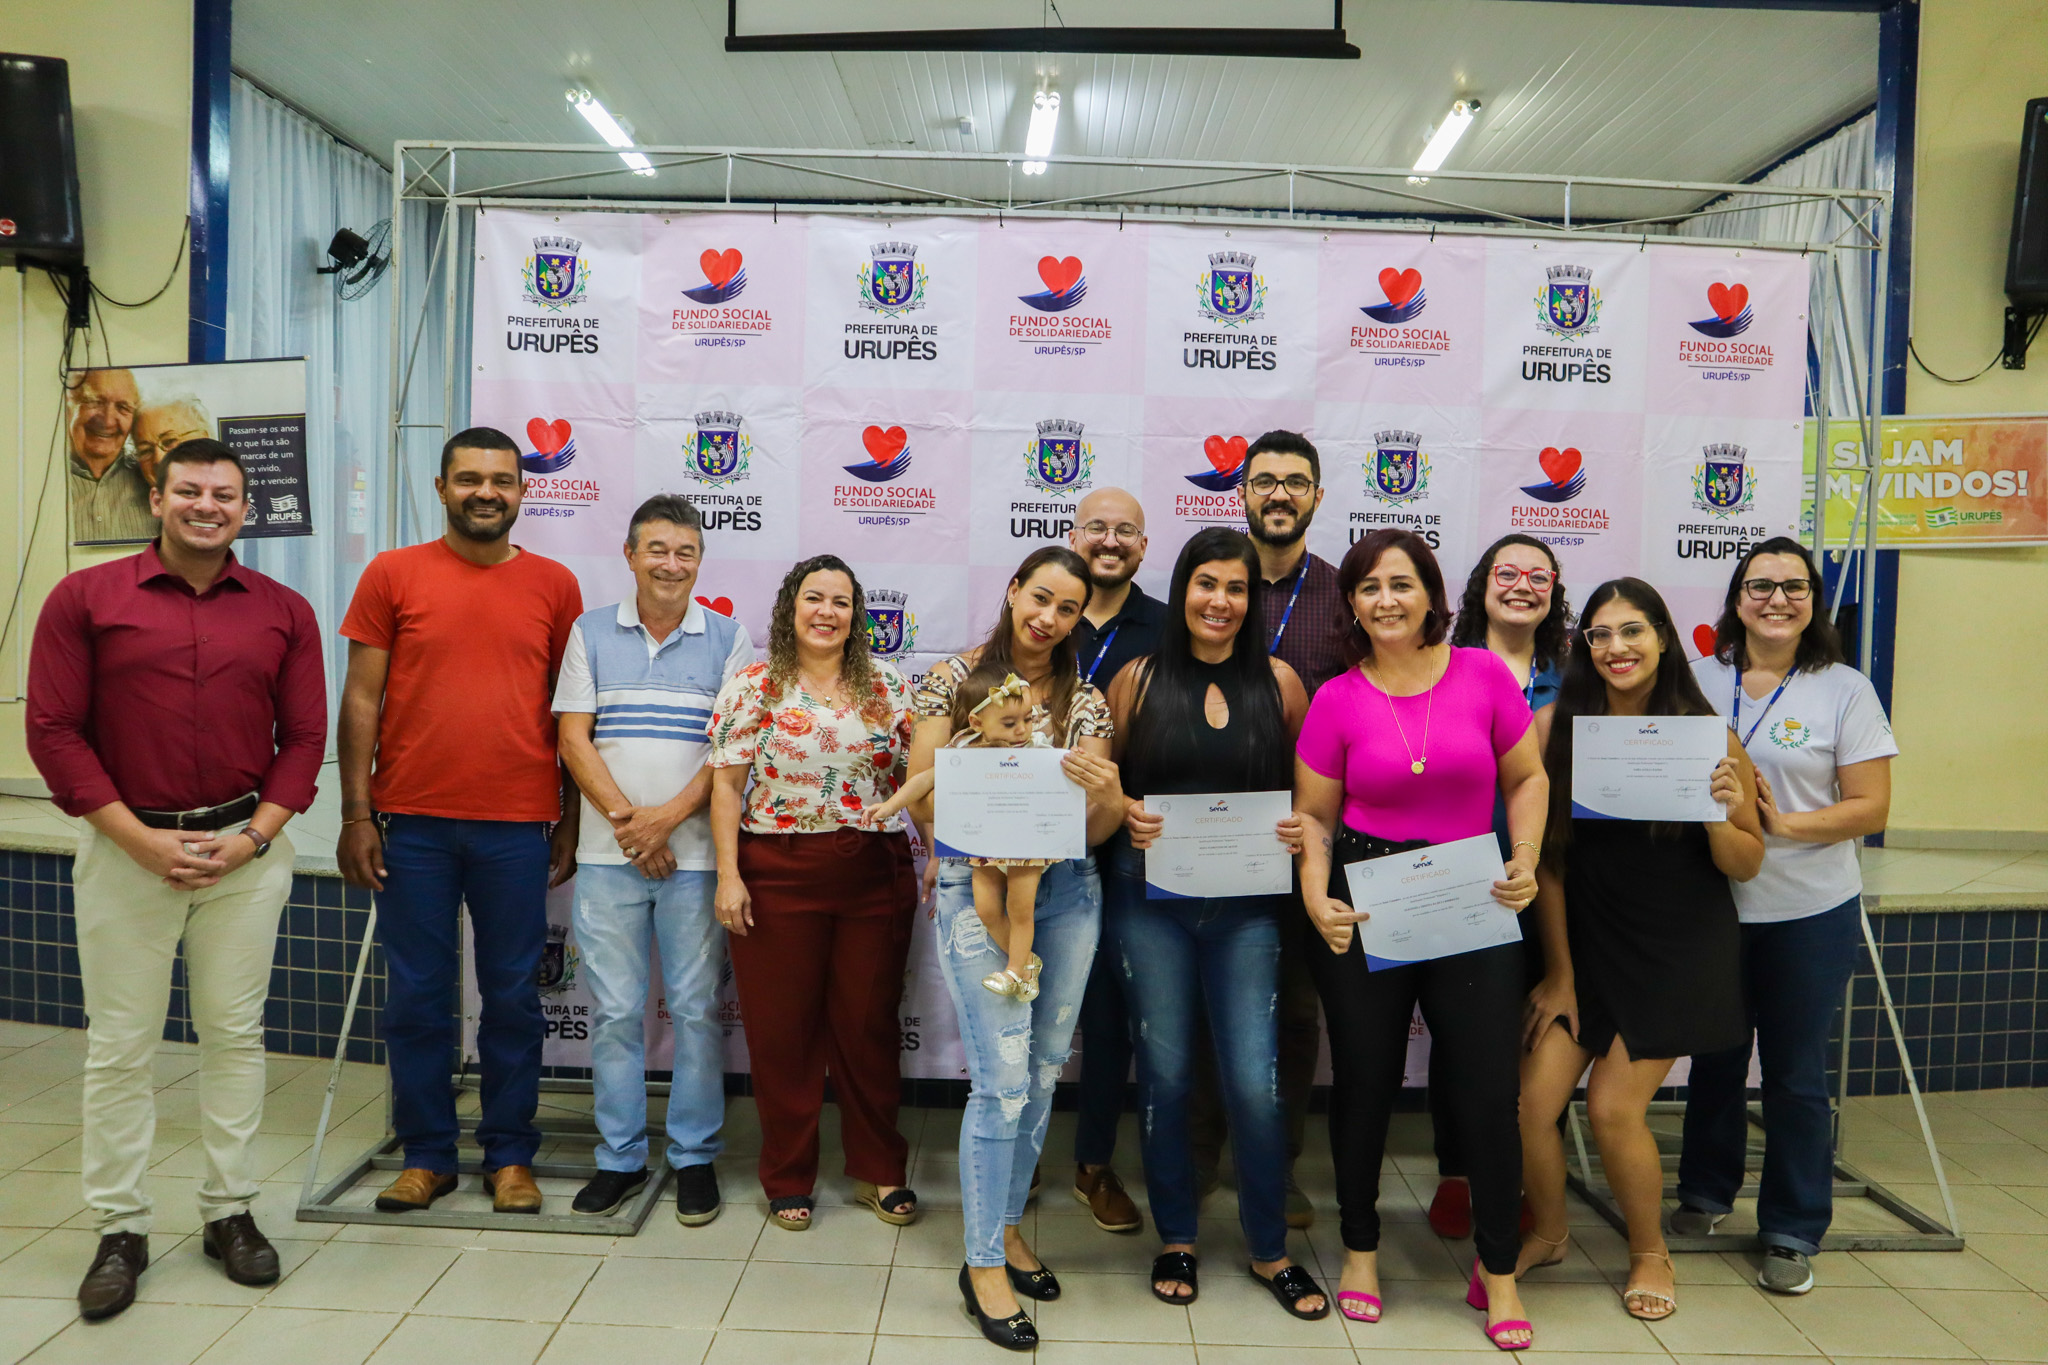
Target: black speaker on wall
x,y
2026,260
39,218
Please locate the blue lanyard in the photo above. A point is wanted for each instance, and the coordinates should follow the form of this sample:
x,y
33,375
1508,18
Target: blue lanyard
x,y
1735,718
1103,652
1288,615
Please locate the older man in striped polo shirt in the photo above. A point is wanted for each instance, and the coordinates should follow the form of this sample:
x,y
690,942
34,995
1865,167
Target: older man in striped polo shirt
x,y
633,698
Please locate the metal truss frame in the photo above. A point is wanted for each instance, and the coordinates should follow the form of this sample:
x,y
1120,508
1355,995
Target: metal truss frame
x,y
320,1203
429,172
1925,1234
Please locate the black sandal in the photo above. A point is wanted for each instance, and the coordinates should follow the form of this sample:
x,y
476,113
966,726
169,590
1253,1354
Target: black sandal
x,y
1175,1267
1290,1287
899,1209
779,1209
1040,1284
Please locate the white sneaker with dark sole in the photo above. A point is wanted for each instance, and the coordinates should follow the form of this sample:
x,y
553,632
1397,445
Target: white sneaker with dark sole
x,y
1785,1271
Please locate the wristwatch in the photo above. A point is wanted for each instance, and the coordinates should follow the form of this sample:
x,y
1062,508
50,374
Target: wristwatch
x,y
256,838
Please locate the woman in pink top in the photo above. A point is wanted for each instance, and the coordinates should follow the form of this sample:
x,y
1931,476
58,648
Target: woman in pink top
x,y
1404,749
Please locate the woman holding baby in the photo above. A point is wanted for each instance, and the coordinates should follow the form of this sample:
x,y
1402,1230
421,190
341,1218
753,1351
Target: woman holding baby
x,y
1017,1040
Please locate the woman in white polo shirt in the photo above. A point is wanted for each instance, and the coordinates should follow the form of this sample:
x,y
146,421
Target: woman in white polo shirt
x,y
1822,747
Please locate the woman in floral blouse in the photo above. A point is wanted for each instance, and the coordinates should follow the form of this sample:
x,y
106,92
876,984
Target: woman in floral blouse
x,y
1015,1048
818,907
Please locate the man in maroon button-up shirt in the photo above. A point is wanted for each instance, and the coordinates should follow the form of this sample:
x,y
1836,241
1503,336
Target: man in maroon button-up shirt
x,y
176,702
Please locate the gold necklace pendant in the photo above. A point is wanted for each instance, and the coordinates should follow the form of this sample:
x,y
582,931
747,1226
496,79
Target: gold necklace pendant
x,y
1416,766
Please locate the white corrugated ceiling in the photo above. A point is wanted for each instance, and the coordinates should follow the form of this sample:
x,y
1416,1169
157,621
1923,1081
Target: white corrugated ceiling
x,y
1649,92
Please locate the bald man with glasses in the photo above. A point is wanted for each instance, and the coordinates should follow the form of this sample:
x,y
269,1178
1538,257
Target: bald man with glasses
x,y
1122,623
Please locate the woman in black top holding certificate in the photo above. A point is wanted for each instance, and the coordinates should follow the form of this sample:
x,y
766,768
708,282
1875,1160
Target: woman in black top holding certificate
x,y
1211,713
1640,941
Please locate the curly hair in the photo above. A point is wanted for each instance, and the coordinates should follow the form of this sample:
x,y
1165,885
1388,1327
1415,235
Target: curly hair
x,y
857,669
1553,632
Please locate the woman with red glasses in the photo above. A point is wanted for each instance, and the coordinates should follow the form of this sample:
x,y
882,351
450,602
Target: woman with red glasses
x,y
1514,605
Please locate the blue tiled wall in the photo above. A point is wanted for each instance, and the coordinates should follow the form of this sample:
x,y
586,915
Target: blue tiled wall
x,y
1967,984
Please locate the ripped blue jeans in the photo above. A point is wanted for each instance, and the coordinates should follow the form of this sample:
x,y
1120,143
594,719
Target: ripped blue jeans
x,y
1180,960
1015,1051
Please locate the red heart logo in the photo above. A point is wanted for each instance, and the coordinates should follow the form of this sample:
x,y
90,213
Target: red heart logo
x,y
1225,455
884,446
1727,300
547,437
1400,285
1059,275
718,268
721,605
1703,639
1559,465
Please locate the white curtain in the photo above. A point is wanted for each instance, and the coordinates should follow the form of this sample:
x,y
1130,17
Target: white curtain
x,y
291,185
1847,160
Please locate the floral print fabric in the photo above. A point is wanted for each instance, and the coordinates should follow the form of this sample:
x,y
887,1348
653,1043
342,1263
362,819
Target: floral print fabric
x,y
1088,716
816,766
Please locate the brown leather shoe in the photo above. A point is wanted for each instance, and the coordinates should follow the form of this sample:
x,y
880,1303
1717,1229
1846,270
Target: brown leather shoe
x,y
512,1190
415,1189
1104,1194
243,1252
109,1286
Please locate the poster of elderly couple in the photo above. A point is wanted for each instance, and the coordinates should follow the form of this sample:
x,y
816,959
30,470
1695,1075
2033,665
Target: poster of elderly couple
x,y
120,420
930,398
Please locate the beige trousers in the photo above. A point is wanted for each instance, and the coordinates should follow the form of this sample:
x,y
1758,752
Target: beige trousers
x,y
129,925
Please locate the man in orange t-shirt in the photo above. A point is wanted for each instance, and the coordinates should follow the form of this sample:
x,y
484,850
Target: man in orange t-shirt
x,y
449,786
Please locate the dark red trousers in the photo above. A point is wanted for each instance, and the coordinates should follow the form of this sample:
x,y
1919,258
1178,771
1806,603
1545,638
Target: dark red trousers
x,y
820,978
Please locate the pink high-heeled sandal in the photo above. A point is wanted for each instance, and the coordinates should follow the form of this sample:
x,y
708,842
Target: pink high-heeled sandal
x,y
1371,1310
1475,1296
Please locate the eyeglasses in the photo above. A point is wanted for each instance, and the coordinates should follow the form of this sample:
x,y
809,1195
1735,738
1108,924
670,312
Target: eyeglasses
x,y
1761,589
1507,575
1100,531
1633,634
1297,485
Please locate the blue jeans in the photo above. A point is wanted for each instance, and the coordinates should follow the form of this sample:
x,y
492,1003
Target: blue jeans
x,y
620,915
1015,1051
432,868
1793,975
1180,959
1105,1060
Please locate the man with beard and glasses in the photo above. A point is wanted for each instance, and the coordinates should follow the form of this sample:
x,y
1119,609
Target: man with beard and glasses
x,y
1121,623
638,684
449,784
1302,611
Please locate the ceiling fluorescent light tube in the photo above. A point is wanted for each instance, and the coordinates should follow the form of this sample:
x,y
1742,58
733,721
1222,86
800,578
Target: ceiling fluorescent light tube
x,y
1045,117
600,118
1447,134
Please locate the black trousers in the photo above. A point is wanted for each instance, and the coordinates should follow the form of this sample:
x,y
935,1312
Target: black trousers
x,y
1473,1006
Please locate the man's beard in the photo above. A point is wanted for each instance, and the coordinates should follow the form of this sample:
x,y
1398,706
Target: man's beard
x,y
1254,527
465,526
1127,570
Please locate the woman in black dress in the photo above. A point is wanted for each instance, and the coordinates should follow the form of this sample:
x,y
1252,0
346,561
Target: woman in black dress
x,y
1640,940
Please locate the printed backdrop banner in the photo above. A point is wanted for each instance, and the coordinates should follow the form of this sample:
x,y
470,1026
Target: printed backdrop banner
x,y
932,398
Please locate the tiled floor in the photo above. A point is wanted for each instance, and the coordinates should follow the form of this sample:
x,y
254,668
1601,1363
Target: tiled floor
x,y
855,1290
